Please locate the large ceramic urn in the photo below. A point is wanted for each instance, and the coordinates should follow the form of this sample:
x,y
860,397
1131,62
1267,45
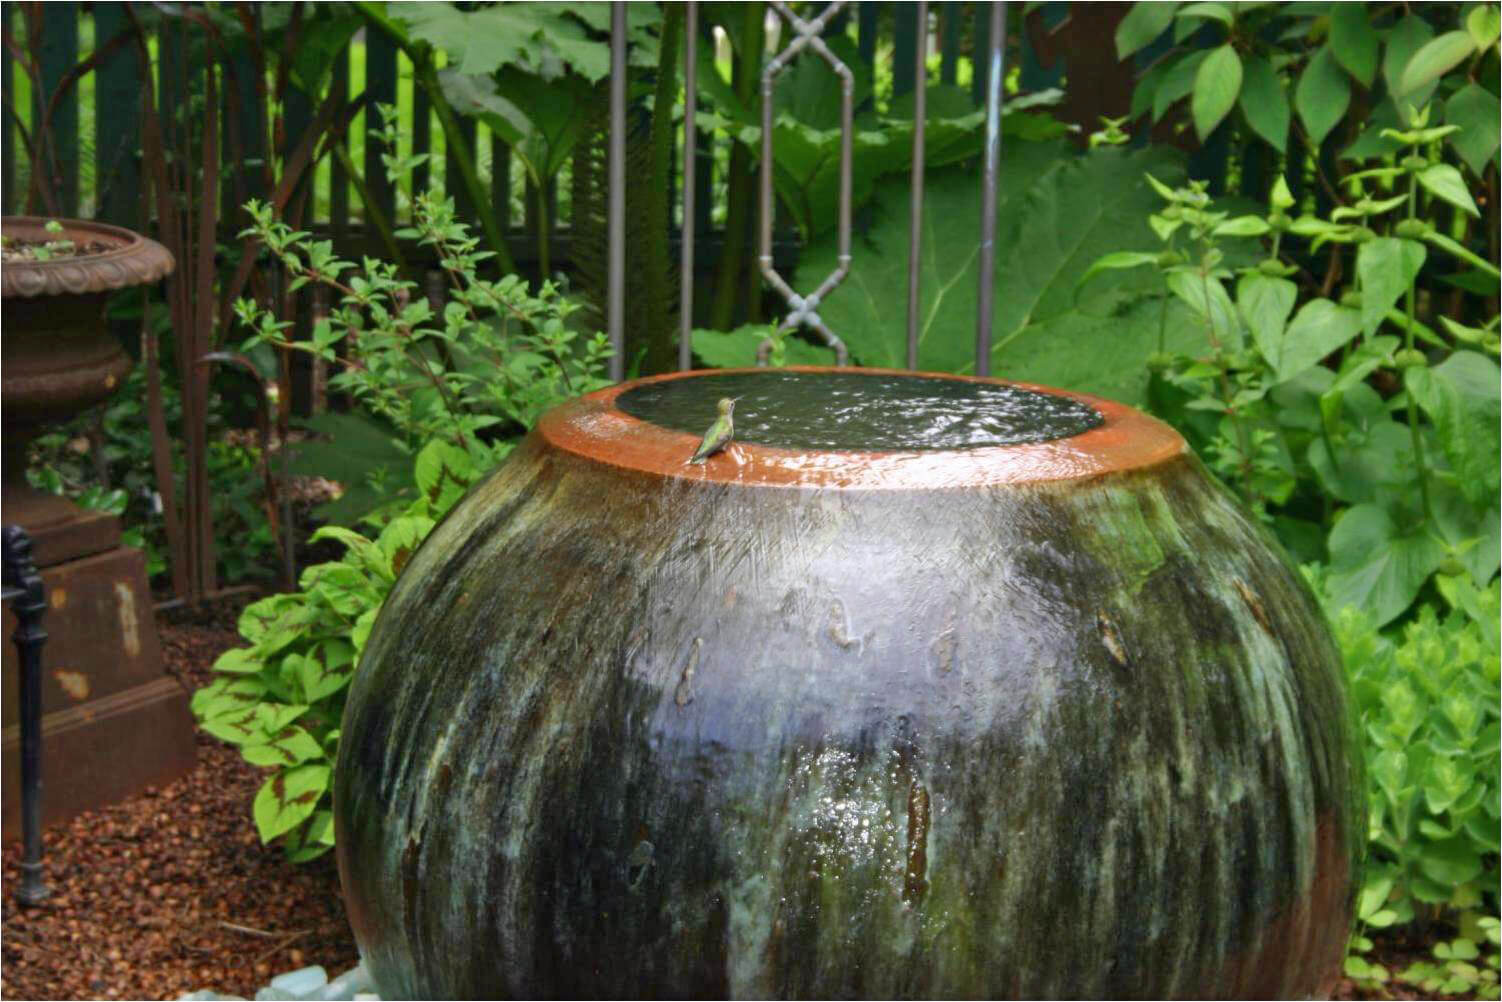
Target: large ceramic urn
x,y
113,720
923,687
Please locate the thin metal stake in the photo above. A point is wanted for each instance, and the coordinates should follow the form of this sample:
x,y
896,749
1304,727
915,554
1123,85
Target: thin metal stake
x,y
989,182
686,264
617,280
915,242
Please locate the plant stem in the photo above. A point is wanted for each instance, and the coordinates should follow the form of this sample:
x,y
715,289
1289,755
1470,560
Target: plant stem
x,y
1243,445
1413,407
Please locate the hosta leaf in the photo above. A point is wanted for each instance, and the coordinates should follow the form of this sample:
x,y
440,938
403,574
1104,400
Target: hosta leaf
x,y
1376,566
1461,397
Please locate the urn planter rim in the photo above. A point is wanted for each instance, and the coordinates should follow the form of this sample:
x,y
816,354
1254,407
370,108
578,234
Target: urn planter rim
x,y
134,260
594,428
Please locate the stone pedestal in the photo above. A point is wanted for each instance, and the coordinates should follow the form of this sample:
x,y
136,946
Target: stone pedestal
x,y
113,722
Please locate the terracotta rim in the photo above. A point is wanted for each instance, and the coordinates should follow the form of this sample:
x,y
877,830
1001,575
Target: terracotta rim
x,y
594,428
134,260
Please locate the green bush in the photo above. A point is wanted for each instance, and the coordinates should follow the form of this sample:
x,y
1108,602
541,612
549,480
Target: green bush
x,y
281,698
1428,704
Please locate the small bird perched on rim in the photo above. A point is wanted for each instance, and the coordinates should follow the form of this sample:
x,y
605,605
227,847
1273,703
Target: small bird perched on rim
x,y
719,434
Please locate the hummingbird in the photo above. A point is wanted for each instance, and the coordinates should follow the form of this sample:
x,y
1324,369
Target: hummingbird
x,y
719,434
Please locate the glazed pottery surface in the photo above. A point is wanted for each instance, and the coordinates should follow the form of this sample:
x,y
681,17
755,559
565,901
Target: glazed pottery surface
x,y
1051,718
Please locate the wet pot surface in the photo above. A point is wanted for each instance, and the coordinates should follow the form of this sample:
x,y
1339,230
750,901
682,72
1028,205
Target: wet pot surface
x,y
923,687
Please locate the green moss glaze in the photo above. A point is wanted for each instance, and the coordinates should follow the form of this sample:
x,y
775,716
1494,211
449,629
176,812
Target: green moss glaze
x,y
624,735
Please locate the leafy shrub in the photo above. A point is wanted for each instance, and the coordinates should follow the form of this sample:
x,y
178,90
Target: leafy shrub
x,y
455,387
473,373
1428,704
1341,70
280,700
1383,460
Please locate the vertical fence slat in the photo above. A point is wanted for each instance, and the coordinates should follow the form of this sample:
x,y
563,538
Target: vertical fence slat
x,y
866,22
1034,75
249,174
117,174
338,176
297,116
904,58
59,52
500,181
949,42
453,179
980,44
422,138
8,15
380,84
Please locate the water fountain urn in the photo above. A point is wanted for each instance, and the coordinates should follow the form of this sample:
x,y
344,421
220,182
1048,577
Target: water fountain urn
x,y
113,720
925,687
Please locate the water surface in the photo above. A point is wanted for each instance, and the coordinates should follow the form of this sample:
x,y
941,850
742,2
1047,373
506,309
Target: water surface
x,y
861,412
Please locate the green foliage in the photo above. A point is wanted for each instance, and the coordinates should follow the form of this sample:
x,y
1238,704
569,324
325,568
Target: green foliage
x,y
1428,708
1057,213
102,460
474,374
1285,403
1346,69
280,699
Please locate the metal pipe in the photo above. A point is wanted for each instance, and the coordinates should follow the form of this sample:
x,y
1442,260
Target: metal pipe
x,y
915,238
804,310
989,181
24,589
616,288
690,140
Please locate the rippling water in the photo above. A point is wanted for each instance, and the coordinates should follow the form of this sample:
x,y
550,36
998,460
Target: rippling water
x,y
861,412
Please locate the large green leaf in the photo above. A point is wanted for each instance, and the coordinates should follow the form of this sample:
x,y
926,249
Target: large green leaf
x,y
1322,96
541,120
1387,267
1403,40
737,349
1461,397
1377,567
1105,355
1317,329
1476,110
1265,303
1057,215
1143,23
1216,86
1177,81
1264,102
1353,40
289,798
1437,57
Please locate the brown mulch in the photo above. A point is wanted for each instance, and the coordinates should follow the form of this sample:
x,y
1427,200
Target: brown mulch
x,y
172,891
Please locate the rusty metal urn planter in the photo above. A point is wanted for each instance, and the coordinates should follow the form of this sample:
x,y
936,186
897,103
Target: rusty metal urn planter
x,y
113,720
961,690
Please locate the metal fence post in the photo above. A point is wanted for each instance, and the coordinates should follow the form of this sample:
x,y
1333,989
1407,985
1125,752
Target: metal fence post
x,y
24,590
989,180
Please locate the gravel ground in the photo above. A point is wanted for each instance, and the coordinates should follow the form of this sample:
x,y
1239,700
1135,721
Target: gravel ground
x,y
172,892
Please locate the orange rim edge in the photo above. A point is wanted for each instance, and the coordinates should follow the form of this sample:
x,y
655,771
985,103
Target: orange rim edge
x,y
592,427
